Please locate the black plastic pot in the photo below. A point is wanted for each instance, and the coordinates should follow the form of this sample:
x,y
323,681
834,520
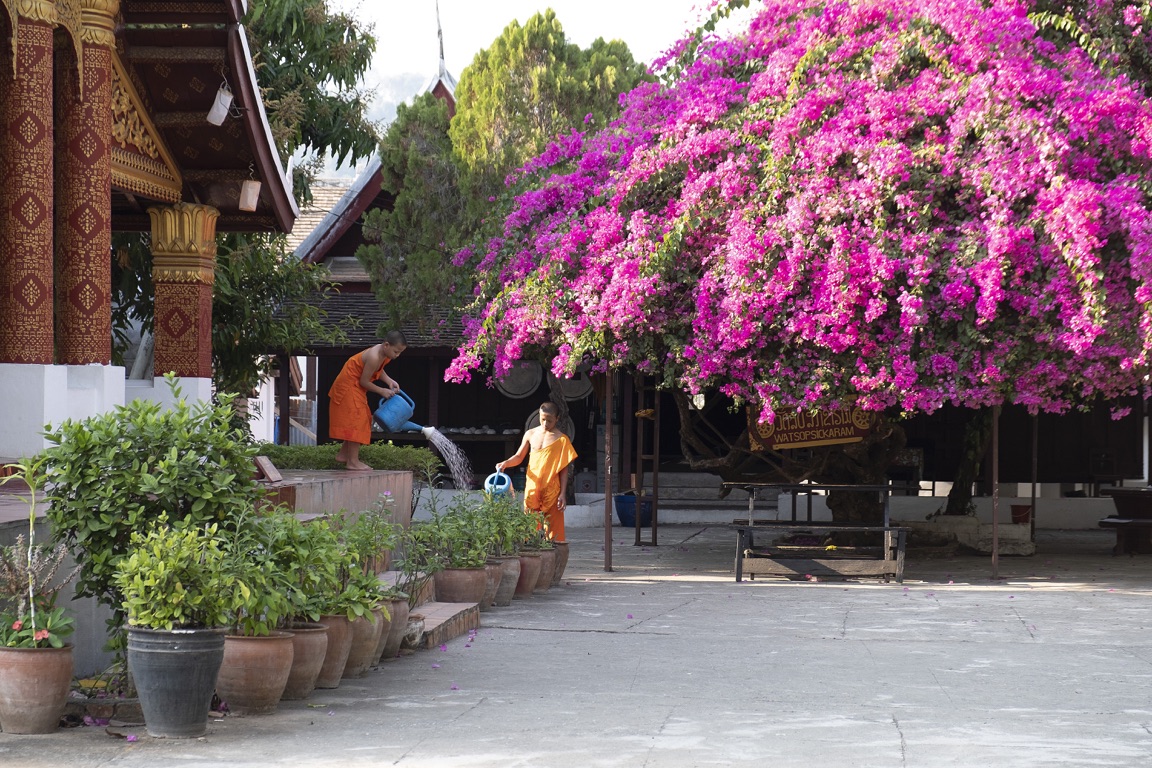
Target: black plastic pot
x,y
175,674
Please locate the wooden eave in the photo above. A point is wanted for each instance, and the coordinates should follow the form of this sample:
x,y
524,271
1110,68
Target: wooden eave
x,y
177,55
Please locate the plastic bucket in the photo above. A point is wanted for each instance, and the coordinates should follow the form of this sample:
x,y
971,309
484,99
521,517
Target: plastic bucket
x,y
626,511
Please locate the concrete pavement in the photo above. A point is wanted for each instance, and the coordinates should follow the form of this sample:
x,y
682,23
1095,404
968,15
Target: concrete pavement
x,y
666,661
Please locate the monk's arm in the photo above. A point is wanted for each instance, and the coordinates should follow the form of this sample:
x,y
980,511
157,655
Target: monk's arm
x,y
515,458
563,500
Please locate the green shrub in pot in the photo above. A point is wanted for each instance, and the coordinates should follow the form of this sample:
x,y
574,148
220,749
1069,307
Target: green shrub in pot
x,y
175,578
260,600
307,554
115,474
178,595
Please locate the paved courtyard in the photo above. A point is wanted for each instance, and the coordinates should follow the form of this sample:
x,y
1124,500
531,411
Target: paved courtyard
x,y
666,661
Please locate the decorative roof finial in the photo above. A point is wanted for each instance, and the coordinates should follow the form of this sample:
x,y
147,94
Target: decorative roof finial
x,y
440,34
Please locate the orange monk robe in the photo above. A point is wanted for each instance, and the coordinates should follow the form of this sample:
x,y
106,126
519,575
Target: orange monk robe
x,y
348,414
542,486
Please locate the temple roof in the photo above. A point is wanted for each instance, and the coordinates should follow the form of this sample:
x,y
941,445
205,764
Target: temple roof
x,y
176,55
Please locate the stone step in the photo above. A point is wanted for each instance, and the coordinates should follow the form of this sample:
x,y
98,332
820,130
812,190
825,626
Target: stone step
x,y
446,621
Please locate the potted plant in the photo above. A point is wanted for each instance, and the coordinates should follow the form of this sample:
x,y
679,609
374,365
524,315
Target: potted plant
x,y
458,544
538,540
177,597
114,474
372,537
35,660
349,595
306,554
509,527
257,655
368,540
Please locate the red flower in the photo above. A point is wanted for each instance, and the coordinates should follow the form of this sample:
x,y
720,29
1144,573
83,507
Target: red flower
x,y
41,634
17,625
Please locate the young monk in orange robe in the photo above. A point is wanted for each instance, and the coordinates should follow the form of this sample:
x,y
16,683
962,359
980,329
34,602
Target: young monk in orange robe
x,y
349,419
547,483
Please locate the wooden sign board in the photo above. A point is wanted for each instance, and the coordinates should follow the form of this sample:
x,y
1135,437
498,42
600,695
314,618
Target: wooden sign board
x,y
805,430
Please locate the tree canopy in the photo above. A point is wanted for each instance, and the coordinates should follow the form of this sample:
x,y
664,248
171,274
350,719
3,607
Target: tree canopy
x,y
310,64
897,203
527,87
408,255
447,178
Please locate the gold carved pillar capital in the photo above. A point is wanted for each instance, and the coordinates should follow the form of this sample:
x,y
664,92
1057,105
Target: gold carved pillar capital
x,y
37,10
99,21
184,243
183,271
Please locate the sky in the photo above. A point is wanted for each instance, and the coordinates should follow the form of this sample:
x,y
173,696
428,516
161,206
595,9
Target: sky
x,y
408,52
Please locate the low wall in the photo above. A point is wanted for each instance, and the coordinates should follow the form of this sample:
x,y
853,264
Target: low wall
x,y
314,493
1052,513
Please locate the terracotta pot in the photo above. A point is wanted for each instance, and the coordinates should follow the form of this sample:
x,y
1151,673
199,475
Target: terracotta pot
x,y
384,616
34,684
510,566
309,644
561,561
529,574
547,569
460,585
365,636
336,655
493,573
254,672
399,610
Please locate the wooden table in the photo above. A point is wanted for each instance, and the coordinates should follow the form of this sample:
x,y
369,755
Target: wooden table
x,y
886,561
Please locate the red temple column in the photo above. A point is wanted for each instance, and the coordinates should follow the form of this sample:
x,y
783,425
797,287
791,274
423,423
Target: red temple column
x,y
84,191
26,282
183,271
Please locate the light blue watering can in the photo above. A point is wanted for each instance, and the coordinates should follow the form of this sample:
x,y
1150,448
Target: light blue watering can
x,y
393,413
497,483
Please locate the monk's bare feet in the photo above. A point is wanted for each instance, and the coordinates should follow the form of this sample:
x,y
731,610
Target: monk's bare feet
x,y
358,466
341,456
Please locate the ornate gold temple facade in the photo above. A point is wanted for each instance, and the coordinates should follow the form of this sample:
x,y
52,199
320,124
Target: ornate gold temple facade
x,y
102,108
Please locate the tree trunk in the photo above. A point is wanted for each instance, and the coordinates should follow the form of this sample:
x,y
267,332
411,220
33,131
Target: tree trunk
x,y
977,438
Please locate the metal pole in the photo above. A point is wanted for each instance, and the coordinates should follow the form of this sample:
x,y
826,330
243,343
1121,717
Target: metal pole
x,y
608,479
1036,464
995,491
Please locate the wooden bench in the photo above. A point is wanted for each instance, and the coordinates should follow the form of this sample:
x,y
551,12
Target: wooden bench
x,y
1132,521
798,560
885,561
1133,535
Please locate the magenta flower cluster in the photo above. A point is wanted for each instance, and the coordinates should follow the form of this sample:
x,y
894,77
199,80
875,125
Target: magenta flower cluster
x,y
900,203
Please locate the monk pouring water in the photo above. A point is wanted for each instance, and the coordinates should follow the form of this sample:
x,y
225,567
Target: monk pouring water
x,y
547,484
349,419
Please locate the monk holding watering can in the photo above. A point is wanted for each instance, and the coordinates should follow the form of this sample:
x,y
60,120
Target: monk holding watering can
x,y
549,453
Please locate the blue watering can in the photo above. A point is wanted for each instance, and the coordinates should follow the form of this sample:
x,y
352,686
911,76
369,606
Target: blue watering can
x,y
497,483
393,413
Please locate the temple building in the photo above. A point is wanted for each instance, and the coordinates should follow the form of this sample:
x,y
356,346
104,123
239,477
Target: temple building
x,y
120,116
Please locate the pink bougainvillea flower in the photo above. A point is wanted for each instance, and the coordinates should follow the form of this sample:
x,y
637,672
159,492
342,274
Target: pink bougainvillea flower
x,y
897,203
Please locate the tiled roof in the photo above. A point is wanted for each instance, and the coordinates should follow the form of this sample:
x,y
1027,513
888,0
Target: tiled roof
x,y
326,193
362,318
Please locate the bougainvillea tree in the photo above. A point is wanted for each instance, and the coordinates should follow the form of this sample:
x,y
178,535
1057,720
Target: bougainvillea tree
x,y
897,203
